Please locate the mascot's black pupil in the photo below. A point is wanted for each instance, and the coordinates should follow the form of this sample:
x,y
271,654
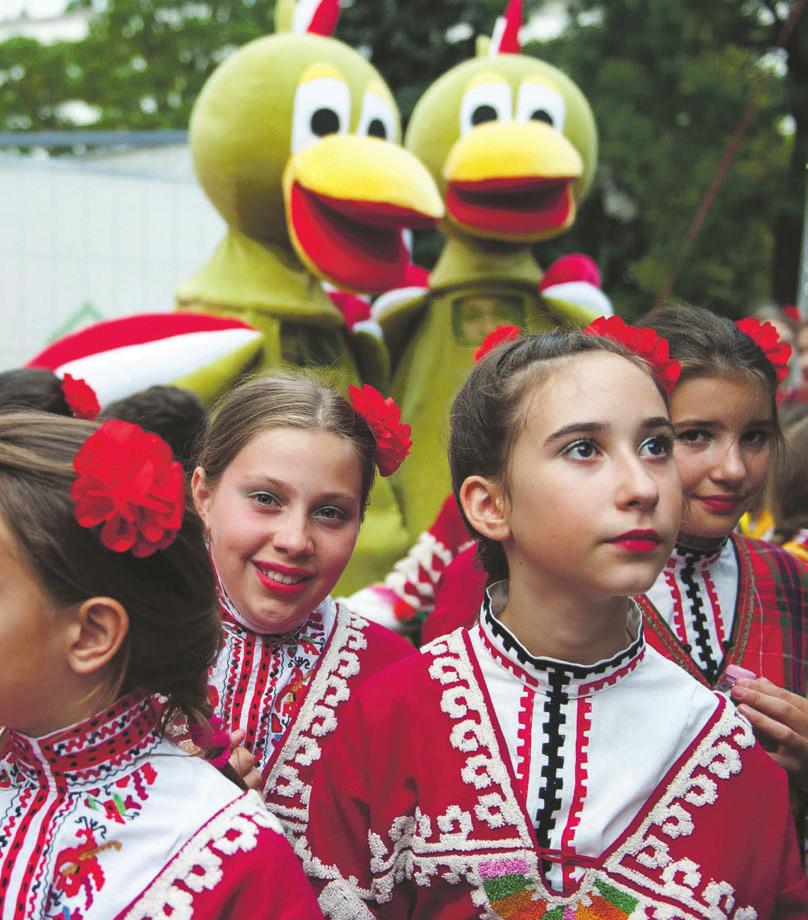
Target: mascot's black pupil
x,y
541,115
377,129
483,113
324,121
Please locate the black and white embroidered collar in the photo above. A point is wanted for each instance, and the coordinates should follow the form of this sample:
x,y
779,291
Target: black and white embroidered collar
x,y
550,675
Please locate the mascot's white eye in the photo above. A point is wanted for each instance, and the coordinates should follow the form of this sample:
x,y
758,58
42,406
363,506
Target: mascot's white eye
x,y
484,102
322,106
539,102
378,118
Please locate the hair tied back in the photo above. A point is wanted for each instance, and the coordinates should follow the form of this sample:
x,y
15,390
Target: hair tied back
x,y
383,417
645,343
128,482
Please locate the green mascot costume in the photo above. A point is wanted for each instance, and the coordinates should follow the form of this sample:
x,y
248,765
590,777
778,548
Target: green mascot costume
x,y
295,141
512,144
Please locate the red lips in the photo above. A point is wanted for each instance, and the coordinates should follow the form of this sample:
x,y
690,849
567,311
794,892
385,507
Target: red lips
x,y
723,504
638,541
278,588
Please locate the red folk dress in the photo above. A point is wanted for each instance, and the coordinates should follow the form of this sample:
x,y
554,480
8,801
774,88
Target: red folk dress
x,y
743,604
479,781
289,691
106,819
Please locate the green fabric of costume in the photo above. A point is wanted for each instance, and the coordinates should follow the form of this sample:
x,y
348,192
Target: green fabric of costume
x,y
512,146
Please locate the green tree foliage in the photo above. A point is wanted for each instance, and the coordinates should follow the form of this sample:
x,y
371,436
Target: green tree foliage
x,y
668,82
143,62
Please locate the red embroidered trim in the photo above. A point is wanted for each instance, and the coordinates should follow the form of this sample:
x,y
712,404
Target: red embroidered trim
x,y
583,726
524,748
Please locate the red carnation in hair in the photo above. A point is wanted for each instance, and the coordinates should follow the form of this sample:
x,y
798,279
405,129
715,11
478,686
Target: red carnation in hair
x,y
129,482
497,337
765,336
383,417
645,343
80,397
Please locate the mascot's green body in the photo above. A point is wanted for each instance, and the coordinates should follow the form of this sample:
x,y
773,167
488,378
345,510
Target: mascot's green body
x,y
512,144
294,140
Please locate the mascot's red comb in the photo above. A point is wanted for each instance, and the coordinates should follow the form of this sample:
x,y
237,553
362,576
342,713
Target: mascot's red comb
x,y
505,39
317,17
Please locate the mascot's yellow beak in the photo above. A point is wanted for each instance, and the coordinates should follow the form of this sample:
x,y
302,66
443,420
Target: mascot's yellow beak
x,y
512,181
348,200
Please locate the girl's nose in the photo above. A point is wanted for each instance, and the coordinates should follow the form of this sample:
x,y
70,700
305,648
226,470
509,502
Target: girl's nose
x,y
292,535
637,486
730,466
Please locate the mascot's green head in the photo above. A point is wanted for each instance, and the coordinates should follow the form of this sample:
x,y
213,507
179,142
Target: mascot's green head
x,y
295,138
510,140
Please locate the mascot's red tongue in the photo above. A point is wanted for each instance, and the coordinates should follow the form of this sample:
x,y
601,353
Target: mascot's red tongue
x,y
358,245
511,205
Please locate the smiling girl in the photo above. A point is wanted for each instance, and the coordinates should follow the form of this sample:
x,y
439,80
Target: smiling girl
x,y
546,762
723,600
282,485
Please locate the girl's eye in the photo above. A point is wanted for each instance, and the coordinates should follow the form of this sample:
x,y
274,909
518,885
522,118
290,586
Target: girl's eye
x,y
693,436
581,450
756,438
265,499
331,513
658,447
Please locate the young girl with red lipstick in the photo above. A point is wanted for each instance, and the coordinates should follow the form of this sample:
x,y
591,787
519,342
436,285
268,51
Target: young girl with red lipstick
x,y
725,601
547,763
282,484
108,627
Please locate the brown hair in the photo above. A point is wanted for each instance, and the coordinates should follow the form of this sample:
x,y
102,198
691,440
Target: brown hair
x,y
706,344
488,412
788,486
25,389
282,401
174,628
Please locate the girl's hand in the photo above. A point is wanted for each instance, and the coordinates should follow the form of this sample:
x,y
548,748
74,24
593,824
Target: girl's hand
x,y
780,720
243,761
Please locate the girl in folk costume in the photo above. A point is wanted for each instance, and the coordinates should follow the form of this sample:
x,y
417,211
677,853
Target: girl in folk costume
x,y
283,481
108,628
546,763
726,602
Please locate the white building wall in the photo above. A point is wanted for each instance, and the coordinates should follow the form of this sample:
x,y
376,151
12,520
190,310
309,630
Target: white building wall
x,y
76,233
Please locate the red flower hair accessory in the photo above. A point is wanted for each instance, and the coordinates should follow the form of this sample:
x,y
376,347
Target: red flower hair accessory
x,y
497,337
80,397
129,482
765,336
383,417
645,343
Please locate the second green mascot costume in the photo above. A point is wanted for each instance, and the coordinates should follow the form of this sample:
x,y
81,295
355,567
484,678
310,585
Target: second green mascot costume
x,y
295,142
512,144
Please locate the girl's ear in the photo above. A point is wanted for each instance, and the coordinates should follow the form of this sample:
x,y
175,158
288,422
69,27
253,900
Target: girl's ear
x,y
202,495
97,632
484,505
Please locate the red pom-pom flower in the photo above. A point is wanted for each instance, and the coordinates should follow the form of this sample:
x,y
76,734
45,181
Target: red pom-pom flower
x,y
765,336
383,417
80,397
497,337
129,482
645,343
